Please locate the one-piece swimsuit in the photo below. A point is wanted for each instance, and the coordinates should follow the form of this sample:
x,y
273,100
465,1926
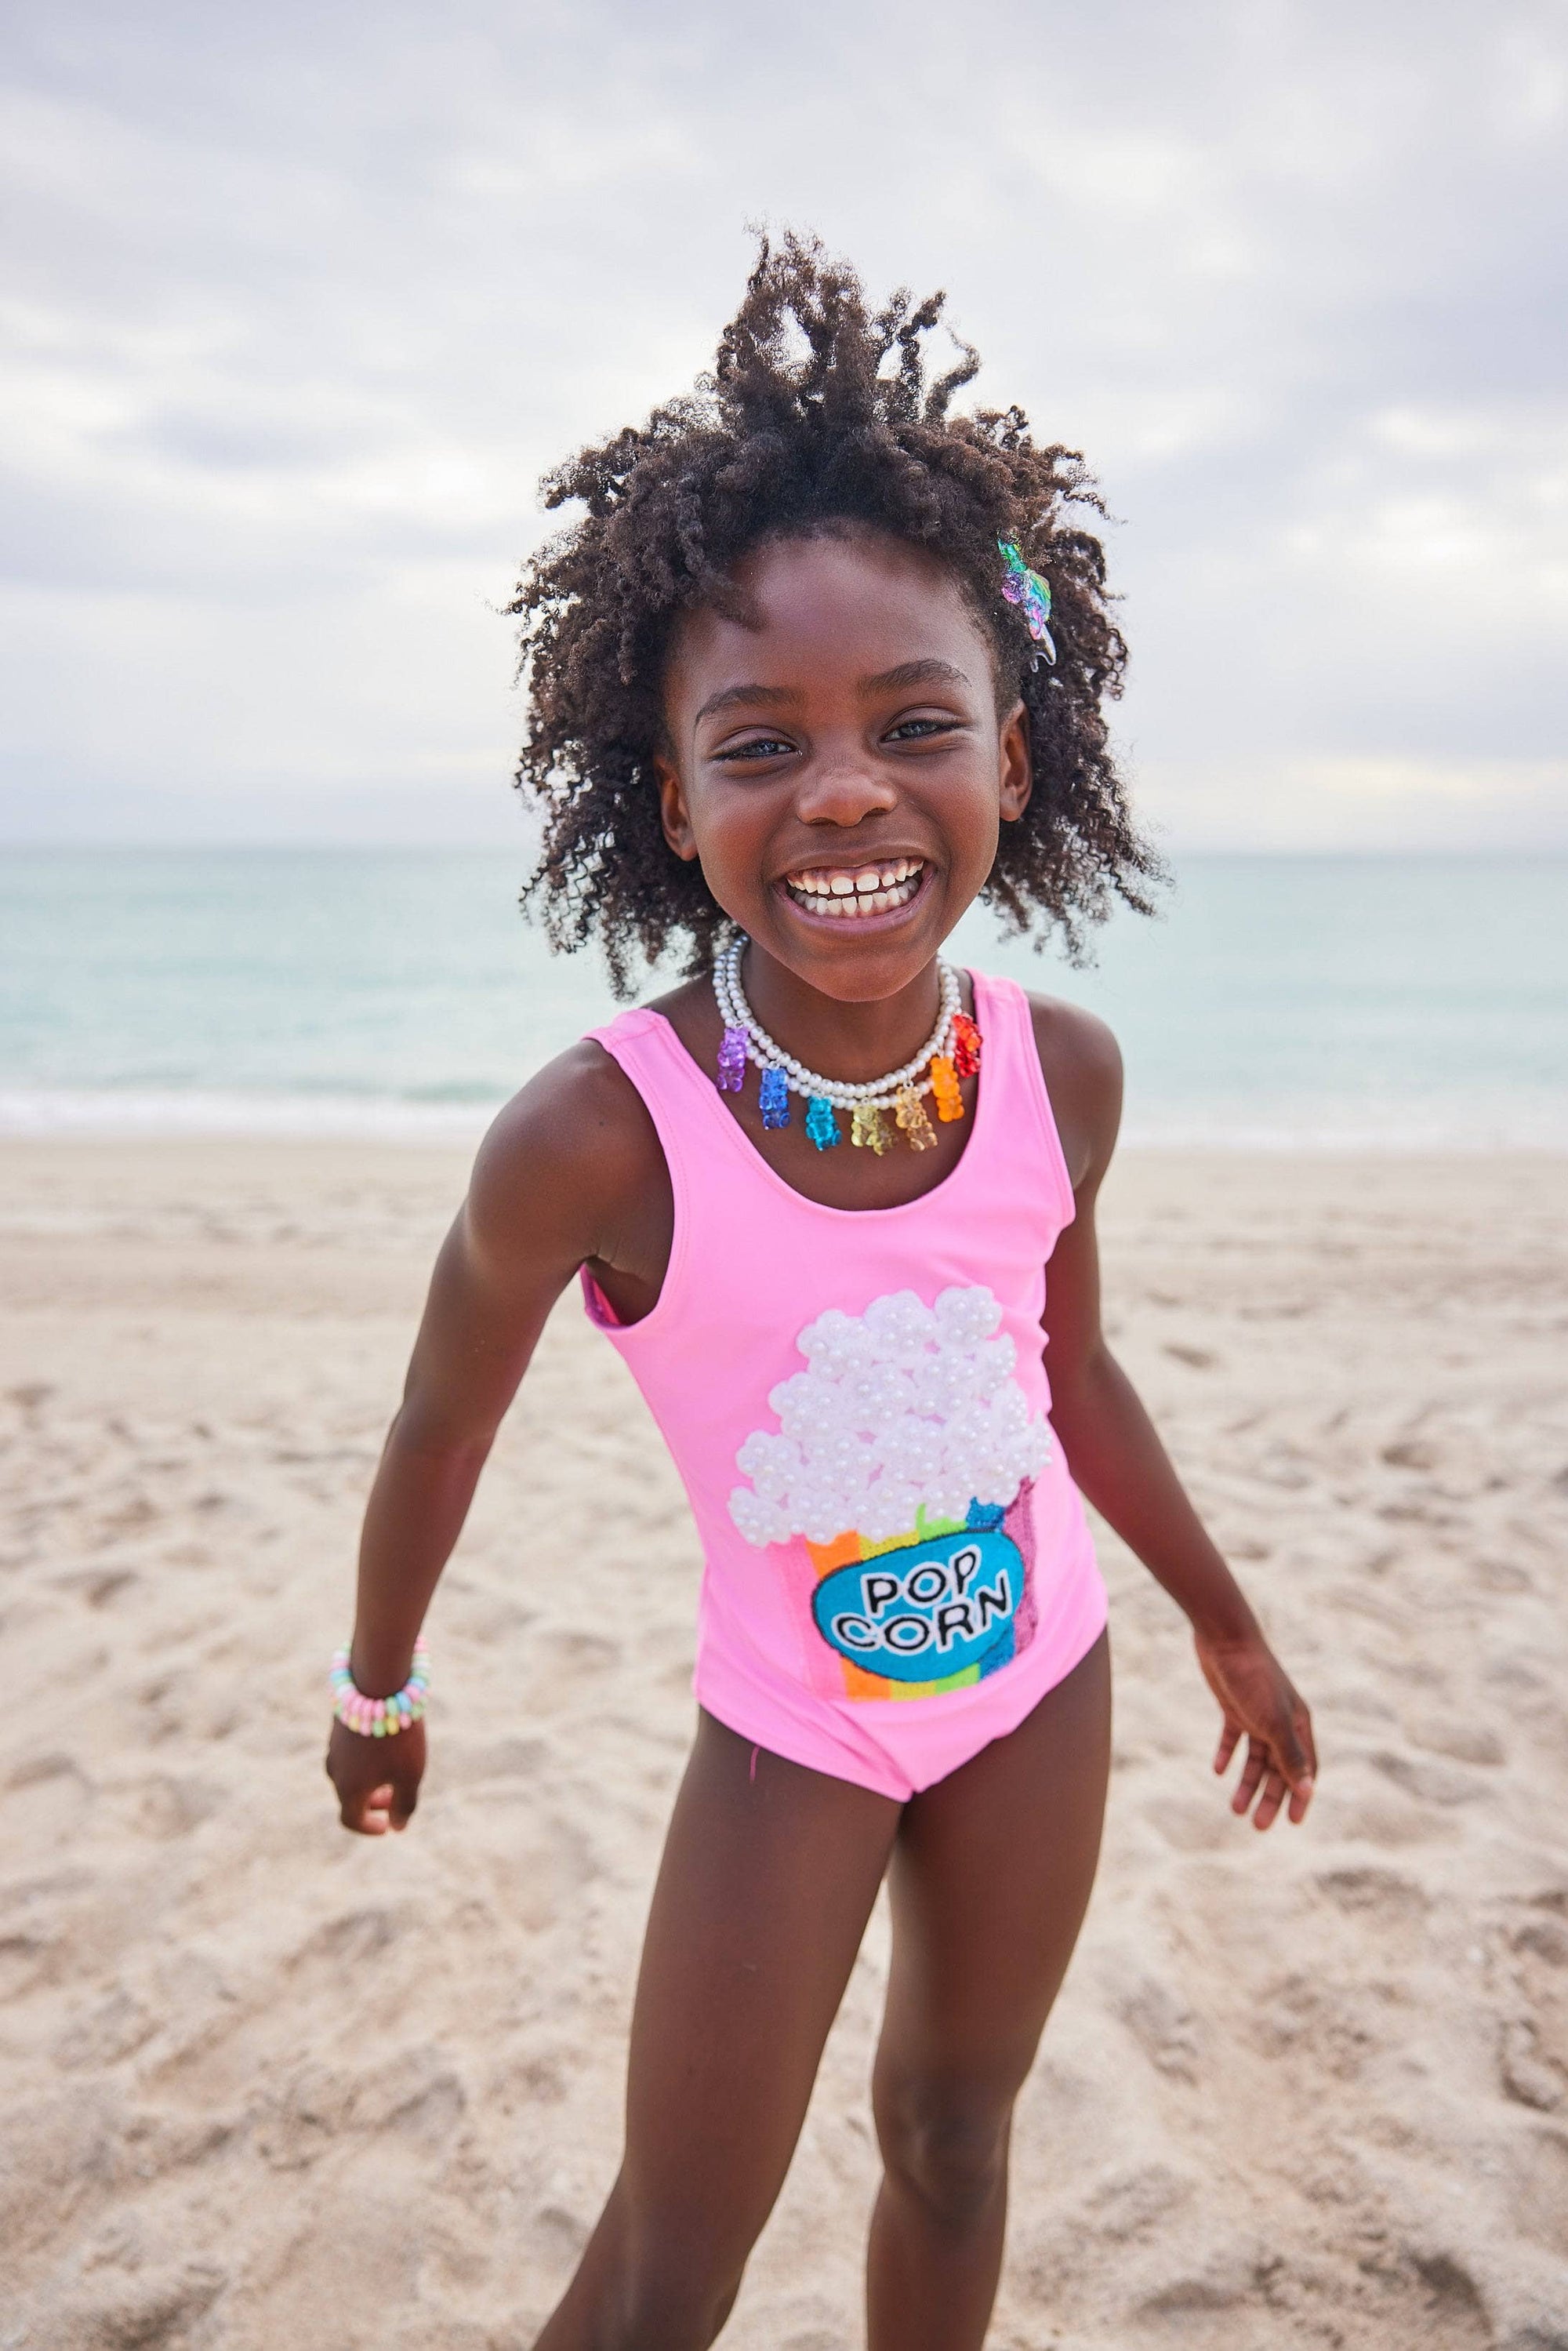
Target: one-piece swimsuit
x,y
896,1562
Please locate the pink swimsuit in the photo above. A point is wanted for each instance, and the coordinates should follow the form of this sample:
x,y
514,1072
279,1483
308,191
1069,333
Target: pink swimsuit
x,y
896,1562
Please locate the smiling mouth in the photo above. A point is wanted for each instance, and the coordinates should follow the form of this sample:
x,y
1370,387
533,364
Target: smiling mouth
x,y
851,892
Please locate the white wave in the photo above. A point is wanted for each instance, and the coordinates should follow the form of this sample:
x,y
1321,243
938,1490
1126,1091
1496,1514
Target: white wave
x,y
1320,1126
44,1111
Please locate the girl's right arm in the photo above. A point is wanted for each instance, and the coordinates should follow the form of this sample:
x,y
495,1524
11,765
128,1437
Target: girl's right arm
x,y
571,1173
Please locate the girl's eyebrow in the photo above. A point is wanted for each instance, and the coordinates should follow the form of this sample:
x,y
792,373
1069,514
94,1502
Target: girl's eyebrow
x,y
728,696
928,670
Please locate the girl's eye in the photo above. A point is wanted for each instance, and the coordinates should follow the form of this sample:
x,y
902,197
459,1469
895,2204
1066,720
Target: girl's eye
x,y
761,746
917,730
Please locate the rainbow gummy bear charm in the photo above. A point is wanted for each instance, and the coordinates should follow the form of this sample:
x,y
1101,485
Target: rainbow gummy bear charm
x,y
966,1045
912,1119
774,1099
821,1124
732,1061
866,1129
944,1086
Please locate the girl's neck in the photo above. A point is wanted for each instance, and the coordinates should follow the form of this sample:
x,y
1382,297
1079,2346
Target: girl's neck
x,y
851,1042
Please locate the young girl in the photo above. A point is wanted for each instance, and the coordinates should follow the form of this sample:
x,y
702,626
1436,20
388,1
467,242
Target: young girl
x,y
821,663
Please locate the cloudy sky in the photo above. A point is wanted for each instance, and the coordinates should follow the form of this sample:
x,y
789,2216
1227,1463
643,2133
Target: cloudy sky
x,y
298,302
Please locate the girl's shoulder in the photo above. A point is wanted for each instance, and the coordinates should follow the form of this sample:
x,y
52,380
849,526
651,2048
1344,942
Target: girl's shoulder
x,y
568,1155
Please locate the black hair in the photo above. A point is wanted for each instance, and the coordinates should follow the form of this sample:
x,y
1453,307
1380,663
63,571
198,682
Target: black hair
x,y
816,412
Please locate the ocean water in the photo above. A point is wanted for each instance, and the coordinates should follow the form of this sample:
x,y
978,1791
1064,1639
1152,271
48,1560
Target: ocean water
x,y
1289,1003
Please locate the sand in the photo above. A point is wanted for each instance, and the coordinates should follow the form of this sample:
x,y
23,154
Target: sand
x,y
267,2086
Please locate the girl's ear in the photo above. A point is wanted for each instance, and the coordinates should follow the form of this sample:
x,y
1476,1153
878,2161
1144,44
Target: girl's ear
x,y
1016,764
673,813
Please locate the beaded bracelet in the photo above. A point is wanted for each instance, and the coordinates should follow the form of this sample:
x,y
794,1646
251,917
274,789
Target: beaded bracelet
x,y
380,1717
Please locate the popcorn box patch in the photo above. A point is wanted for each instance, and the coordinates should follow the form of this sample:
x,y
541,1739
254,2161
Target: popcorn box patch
x,y
899,1452
928,1610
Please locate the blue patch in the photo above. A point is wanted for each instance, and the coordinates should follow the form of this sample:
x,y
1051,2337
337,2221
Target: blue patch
x,y
928,1609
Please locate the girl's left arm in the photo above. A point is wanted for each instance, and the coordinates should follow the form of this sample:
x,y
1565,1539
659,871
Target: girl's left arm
x,y
1120,1465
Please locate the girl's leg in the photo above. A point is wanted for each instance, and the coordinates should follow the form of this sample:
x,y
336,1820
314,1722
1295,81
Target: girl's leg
x,y
768,1875
990,1882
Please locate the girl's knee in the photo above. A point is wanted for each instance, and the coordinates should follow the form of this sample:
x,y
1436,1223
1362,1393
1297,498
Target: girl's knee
x,y
945,2144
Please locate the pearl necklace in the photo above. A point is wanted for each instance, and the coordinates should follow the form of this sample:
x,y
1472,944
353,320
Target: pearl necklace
x,y
768,1054
951,1051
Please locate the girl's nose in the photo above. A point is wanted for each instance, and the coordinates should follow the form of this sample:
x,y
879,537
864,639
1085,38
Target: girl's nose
x,y
843,791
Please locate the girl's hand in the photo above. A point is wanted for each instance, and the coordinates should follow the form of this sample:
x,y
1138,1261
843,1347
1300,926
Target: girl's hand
x,y
1255,1697
377,1779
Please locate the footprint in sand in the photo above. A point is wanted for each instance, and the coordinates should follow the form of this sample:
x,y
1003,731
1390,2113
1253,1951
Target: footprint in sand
x,y
1389,1896
1164,2027
1240,2296
162,1807
418,2094
346,1942
1134,2202
1533,2058
163,2309
47,1800
115,2028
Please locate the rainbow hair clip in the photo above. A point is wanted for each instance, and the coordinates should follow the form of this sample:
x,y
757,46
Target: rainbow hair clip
x,y
1022,586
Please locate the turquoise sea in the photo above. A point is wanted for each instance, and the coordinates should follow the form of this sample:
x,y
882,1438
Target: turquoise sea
x,y
1381,1002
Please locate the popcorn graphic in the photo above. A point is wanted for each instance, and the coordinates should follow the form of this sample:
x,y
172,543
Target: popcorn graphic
x,y
903,1458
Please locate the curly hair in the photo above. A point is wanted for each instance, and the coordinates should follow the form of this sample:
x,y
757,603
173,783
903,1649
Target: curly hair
x,y
804,425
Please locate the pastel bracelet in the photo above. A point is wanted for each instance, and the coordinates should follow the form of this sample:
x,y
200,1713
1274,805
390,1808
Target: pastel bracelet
x,y
380,1717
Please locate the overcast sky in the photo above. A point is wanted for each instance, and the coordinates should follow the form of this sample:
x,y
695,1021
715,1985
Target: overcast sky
x,y
299,303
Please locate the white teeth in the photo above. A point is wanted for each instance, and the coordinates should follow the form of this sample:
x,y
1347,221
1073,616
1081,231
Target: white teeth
x,y
864,883
871,890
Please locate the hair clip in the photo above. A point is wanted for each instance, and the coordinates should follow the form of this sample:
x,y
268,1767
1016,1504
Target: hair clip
x,y
1022,586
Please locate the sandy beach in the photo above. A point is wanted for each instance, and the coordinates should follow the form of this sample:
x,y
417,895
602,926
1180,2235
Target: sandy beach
x,y
266,2085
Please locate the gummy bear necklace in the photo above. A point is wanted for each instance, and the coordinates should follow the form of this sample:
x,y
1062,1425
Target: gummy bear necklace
x,y
952,1052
